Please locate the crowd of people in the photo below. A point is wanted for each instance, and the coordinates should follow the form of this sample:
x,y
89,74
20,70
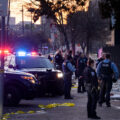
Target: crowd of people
x,y
96,81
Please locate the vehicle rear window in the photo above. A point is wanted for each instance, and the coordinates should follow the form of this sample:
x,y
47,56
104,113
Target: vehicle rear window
x,y
33,62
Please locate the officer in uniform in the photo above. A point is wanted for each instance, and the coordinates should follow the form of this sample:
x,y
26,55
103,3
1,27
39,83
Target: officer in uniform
x,y
59,59
100,59
91,85
68,69
105,72
76,57
81,66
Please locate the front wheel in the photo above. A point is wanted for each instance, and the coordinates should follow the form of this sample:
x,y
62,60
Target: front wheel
x,y
12,96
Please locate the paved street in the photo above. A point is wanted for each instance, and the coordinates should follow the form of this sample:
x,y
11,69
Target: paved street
x,y
78,112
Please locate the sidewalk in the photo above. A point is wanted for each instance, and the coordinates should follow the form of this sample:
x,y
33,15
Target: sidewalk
x,y
116,91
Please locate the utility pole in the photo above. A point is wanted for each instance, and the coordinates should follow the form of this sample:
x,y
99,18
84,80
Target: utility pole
x,y
22,20
8,20
3,14
2,46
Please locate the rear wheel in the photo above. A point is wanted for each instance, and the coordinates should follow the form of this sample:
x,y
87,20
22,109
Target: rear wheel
x,y
12,96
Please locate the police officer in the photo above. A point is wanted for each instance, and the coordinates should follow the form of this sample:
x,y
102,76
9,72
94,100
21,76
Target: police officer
x,y
76,57
68,69
49,57
105,72
81,66
59,59
71,57
91,85
100,59
85,58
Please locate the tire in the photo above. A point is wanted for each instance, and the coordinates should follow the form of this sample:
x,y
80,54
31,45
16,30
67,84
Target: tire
x,y
12,96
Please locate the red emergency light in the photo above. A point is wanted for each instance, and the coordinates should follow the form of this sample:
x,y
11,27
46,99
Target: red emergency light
x,y
5,52
0,51
33,53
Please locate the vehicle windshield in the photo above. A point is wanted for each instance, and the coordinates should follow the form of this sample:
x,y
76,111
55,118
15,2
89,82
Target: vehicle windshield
x,y
33,62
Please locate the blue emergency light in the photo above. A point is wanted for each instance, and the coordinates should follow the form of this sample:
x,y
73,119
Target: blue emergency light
x,y
21,53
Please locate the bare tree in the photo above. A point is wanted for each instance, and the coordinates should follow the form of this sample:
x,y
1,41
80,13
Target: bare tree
x,y
88,27
57,10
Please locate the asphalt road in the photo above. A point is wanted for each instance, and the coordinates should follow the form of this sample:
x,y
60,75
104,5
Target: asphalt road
x,y
78,112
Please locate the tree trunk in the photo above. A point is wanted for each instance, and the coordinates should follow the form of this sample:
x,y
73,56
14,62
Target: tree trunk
x,y
88,43
73,46
66,41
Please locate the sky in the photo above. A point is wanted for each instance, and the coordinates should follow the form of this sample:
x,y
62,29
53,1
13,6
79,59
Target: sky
x,y
16,7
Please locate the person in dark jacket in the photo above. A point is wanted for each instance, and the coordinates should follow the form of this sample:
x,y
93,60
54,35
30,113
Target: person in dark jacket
x,y
59,59
100,59
91,85
68,69
105,72
81,66
71,57
49,57
76,57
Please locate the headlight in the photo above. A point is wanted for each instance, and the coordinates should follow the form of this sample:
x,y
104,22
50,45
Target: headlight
x,y
60,75
31,79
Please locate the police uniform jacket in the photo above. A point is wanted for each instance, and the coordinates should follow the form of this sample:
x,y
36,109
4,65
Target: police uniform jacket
x,y
81,66
90,78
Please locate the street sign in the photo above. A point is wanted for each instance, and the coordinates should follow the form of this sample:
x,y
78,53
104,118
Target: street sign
x,y
3,7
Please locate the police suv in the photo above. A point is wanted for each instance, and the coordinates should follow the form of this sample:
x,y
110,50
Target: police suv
x,y
17,85
50,80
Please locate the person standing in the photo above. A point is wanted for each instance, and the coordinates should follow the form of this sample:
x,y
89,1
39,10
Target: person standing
x,y
100,59
68,70
71,57
91,84
76,57
49,57
81,66
105,72
59,59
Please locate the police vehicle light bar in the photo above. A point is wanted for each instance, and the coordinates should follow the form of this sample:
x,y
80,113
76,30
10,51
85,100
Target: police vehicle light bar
x,y
4,51
33,53
21,53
